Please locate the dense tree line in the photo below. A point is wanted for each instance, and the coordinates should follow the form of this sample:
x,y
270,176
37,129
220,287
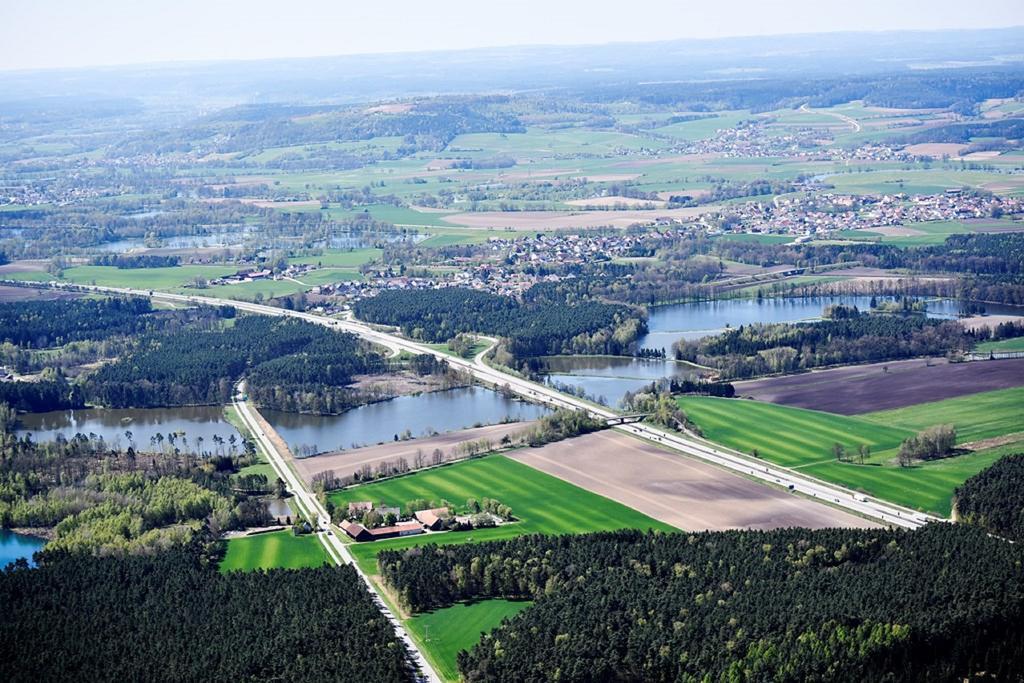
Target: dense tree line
x,y
563,424
40,324
53,392
764,348
993,499
201,367
937,603
126,261
173,617
438,315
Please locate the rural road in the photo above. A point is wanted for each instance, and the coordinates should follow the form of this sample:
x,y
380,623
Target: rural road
x,y
842,117
336,550
774,475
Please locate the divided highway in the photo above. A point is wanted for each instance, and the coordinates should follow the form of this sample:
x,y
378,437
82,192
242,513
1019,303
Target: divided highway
x,y
830,494
338,551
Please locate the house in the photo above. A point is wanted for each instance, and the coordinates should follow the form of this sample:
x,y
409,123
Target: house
x,y
359,507
432,519
356,531
400,529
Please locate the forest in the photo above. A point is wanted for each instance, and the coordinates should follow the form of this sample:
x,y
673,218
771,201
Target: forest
x,y
97,497
532,329
172,616
993,499
41,324
201,367
764,348
52,392
938,603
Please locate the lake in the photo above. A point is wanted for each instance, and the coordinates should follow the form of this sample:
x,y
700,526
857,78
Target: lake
x,y
14,546
668,324
608,378
440,411
193,422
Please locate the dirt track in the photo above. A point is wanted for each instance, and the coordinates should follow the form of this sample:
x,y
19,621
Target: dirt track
x,y
865,388
347,462
686,493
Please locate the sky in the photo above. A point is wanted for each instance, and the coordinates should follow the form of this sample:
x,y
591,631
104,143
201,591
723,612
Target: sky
x,y
38,34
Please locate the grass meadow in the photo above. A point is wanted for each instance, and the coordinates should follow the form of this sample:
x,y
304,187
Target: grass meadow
x,y
803,439
444,632
274,550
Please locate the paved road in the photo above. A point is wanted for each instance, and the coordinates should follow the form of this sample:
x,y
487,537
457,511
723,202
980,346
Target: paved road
x,y
842,117
338,551
797,482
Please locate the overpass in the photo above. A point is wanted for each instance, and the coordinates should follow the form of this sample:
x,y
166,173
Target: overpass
x,y
774,475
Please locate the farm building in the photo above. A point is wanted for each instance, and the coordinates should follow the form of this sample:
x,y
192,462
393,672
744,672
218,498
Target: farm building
x,y
432,519
400,529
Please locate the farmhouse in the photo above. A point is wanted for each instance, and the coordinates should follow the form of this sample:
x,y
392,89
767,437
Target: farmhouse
x,y
358,507
432,519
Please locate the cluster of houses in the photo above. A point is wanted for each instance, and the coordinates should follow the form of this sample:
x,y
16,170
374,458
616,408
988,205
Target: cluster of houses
x,y
826,212
422,522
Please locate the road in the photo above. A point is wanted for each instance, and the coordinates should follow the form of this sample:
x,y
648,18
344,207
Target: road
x,y
842,117
338,551
689,445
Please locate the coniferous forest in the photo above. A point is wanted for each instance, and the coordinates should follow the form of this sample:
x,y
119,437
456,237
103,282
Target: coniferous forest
x,y
173,617
938,603
994,498
533,330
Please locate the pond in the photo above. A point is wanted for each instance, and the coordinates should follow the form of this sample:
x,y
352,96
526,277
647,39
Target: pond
x,y
606,379
144,425
14,546
422,414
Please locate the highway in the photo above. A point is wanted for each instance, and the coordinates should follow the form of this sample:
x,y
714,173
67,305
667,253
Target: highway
x,y
338,551
740,463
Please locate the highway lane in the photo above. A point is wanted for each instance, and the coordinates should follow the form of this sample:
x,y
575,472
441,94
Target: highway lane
x,y
338,551
692,446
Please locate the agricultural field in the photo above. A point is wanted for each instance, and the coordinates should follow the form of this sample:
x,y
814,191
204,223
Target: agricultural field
x,y
803,439
273,550
856,389
445,631
340,258
685,492
1016,344
928,233
541,503
976,417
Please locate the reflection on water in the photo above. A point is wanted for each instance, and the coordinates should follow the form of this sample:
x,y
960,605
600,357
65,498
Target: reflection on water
x,y
668,324
15,546
606,379
114,425
440,411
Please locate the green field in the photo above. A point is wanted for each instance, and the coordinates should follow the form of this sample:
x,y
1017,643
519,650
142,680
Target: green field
x,y
934,232
803,439
444,632
144,278
277,549
1016,344
541,503
340,258
787,436
976,416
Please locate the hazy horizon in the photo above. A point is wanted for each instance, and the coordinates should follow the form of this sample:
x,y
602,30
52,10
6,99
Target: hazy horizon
x,y
122,33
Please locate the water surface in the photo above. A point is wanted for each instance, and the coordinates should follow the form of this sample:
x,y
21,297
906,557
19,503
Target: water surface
x,y
440,411
143,424
14,546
